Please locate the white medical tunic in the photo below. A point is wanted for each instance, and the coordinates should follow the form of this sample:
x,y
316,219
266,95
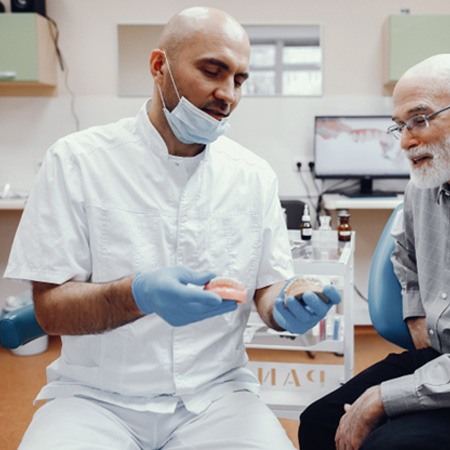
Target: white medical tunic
x,y
110,202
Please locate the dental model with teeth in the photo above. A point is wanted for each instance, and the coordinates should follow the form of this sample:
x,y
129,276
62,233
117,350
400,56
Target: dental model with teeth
x,y
300,285
403,401
227,288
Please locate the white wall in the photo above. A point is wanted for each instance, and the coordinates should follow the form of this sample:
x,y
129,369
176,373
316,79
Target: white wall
x,y
277,129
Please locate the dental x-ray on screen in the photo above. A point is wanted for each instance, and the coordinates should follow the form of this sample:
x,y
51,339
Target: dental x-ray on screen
x,y
357,147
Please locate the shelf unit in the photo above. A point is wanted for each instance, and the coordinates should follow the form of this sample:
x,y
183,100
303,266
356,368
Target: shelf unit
x,y
13,204
337,201
27,55
335,264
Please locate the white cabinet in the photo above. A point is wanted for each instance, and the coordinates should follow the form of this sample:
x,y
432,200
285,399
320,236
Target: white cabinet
x,y
27,55
12,204
289,387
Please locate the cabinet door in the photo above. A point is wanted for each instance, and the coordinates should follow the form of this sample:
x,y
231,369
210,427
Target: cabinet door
x,y
413,38
27,52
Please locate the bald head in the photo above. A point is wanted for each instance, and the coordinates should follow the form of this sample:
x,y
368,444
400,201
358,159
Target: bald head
x,y
432,73
199,22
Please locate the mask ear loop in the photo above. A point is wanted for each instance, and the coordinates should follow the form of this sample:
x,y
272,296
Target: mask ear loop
x,y
171,76
161,95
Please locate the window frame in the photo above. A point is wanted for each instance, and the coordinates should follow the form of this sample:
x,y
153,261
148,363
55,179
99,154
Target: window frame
x,y
282,36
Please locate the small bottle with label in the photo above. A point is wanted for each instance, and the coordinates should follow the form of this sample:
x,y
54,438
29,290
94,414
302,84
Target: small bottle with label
x,y
306,229
344,229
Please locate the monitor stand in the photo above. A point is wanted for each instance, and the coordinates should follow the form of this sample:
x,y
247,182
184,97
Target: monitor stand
x,y
366,190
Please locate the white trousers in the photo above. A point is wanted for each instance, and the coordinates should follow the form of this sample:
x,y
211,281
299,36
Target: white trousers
x,y
238,421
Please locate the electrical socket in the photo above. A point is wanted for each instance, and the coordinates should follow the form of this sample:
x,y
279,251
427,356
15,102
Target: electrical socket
x,y
304,164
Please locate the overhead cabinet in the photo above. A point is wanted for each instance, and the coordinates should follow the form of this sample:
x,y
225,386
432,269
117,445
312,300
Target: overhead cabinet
x,y
413,38
27,55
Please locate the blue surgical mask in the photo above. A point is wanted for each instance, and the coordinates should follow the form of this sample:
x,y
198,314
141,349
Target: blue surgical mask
x,y
190,124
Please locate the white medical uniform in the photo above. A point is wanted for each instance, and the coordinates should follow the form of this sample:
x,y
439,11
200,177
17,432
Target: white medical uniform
x,y
110,202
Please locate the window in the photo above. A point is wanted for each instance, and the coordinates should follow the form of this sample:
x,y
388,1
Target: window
x,y
285,61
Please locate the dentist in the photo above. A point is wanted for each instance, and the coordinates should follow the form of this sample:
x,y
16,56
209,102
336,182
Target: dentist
x,y
122,221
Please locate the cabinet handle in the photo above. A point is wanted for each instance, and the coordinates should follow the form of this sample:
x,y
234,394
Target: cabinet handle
x,y
7,74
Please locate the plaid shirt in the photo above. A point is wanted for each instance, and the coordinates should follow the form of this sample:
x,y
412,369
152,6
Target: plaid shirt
x,y
421,262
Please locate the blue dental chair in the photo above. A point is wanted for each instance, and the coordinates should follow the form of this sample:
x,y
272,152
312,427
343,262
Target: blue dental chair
x,y
19,327
384,293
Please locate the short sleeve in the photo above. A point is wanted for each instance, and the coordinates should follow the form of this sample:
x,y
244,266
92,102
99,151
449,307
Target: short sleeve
x,y
51,243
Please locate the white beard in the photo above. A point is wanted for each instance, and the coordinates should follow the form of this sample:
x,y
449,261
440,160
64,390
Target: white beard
x,y
435,172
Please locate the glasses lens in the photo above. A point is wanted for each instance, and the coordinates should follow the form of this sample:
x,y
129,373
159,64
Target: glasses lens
x,y
417,122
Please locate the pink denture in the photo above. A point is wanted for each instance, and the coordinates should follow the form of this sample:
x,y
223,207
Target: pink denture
x,y
228,288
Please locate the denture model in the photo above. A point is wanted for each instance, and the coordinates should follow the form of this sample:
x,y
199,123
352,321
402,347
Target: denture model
x,y
228,288
299,285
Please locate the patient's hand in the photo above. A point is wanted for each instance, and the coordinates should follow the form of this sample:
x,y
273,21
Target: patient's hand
x,y
359,420
418,329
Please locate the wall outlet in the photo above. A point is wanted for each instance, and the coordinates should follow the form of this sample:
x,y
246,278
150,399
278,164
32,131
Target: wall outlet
x,y
303,162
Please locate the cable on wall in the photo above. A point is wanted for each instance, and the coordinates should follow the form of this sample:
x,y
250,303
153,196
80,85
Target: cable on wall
x,y
64,68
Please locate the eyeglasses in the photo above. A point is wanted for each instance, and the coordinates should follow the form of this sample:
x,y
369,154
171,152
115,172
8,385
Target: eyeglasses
x,y
418,122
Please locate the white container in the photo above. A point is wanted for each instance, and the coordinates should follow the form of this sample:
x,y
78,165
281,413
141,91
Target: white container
x,y
34,347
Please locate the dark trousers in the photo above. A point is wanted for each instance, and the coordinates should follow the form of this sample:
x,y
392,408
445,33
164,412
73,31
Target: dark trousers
x,y
413,431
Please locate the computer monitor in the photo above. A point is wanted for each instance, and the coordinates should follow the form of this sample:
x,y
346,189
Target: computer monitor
x,y
358,147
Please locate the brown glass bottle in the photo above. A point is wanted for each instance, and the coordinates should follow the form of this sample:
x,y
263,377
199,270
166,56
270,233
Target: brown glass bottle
x,y
344,230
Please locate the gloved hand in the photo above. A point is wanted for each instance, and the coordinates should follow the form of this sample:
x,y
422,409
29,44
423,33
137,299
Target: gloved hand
x,y
300,316
164,292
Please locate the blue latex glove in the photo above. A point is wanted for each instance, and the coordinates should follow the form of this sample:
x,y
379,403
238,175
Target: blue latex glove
x,y
164,292
300,316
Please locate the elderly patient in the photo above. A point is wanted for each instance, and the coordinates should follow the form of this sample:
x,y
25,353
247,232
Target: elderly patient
x,y
122,221
403,402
